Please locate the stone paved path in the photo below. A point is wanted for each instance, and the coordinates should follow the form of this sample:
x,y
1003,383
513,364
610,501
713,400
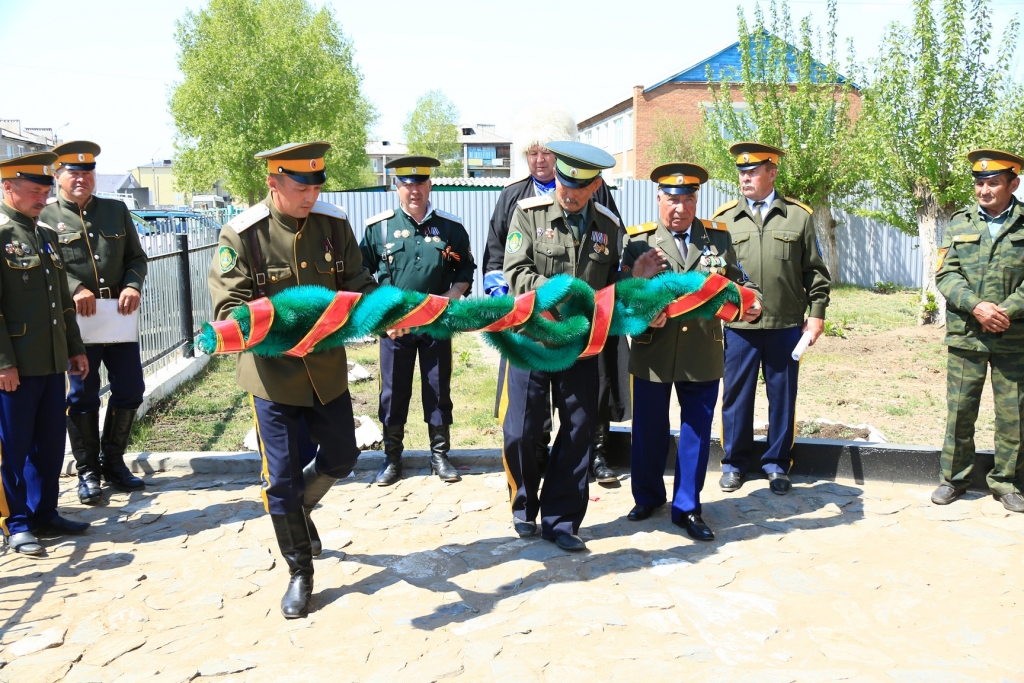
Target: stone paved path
x,y
424,581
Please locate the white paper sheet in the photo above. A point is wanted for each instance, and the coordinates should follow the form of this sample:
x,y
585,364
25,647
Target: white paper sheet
x,y
108,326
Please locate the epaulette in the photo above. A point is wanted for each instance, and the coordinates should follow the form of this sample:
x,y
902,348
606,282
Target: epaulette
x,y
715,225
245,220
724,207
43,225
51,200
800,204
382,216
329,210
640,229
449,216
534,202
608,212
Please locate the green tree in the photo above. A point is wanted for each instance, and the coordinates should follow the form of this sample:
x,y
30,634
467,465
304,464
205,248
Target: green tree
x,y
932,94
795,99
432,129
258,74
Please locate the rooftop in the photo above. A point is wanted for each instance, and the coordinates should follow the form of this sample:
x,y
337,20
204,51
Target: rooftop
x,y
480,133
386,147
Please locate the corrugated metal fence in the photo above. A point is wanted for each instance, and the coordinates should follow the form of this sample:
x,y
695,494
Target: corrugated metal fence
x,y
869,251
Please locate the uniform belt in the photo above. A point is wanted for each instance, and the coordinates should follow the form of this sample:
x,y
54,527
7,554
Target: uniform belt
x,y
109,292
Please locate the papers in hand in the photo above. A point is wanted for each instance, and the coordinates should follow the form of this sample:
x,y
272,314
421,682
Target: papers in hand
x,y
801,346
108,326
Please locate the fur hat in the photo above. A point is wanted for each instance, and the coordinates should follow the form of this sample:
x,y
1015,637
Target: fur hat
x,y
539,124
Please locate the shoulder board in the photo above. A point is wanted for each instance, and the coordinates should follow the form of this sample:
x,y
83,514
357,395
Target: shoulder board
x,y
43,225
635,230
715,225
608,212
724,207
800,204
962,213
248,218
966,238
329,210
51,200
534,202
382,216
450,216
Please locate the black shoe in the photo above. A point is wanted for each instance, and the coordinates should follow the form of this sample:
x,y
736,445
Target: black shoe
x,y
1014,502
731,481
570,543
316,485
89,490
524,529
293,540
84,435
391,470
24,543
779,483
946,494
59,526
117,428
440,443
598,463
641,512
696,527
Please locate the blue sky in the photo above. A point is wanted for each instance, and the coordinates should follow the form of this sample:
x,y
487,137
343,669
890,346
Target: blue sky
x,y
104,67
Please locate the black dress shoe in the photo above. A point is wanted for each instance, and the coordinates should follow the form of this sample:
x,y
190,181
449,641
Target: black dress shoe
x,y
524,529
89,491
295,603
945,494
641,512
779,483
24,543
731,481
1014,502
58,526
570,543
696,527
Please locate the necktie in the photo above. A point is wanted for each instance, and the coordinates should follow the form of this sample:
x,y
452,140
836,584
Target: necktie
x,y
758,218
681,242
575,224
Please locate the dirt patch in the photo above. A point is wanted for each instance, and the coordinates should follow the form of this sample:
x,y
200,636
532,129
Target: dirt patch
x,y
820,430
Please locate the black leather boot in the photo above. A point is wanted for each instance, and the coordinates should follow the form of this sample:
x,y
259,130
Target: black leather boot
x,y
317,486
84,433
440,443
117,427
391,470
293,540
598,465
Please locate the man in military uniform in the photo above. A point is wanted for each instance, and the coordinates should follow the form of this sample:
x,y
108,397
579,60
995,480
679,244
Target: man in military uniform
x,y
105,260
421,249
980,271
686,354
291,239
539,128
776,245
39,338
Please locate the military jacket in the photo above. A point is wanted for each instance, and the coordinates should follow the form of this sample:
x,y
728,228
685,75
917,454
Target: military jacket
x,y
429,257
972,267
295,252
683,350
540,245
100,244
39,331
782,256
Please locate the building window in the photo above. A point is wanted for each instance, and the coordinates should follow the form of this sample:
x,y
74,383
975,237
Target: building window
x,y
21,150
480,152
10,151
376,164
618,145
588,135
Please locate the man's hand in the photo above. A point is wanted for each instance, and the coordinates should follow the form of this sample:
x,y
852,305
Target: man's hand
x,y
85,301
752,313
79,365
815,326
650,263
659,320
9,379
992,317
457,291
128,302
399,332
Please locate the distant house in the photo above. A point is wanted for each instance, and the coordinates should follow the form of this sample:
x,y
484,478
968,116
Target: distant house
x,y
484,153
16,141
380,153
121,186
628,129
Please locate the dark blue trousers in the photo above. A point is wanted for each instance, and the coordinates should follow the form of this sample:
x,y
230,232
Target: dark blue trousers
x,y
747,352
32,431
397,364
563,501
287,435
651,437
124,369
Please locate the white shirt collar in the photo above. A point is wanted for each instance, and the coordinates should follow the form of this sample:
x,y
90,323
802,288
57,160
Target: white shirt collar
x,y
426,216
767,202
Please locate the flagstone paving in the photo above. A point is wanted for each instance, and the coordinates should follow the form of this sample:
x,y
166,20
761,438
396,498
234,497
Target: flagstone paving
x,y
425,581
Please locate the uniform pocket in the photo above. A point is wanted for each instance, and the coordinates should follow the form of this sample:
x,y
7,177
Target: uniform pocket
x,y
112,231
16,329
784,240
643,338
278,273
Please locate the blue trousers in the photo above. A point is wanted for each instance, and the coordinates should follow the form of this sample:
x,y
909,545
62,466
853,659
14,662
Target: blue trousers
x,y
32,431
747,352
651,436
124,369
563,501
291,436
397,364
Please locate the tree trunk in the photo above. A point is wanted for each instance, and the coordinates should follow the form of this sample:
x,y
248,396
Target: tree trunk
x,y
932,219
825,228
252,198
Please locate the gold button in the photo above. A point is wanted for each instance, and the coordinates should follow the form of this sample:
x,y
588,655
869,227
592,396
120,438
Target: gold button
x,y
303,264
273,278
332,270
299,236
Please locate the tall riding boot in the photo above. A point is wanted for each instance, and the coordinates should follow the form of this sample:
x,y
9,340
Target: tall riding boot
x,y
293,539
598,465
317,486
84,433
117,427
391,470
440,443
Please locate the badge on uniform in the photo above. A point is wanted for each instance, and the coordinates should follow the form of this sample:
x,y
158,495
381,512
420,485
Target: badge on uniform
x,y
406,233
540,231
941,259
9,248
62,227
398,234
549,234
24,278
514,242
227,258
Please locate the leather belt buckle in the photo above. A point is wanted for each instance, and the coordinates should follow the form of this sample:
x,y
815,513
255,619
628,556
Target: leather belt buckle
x,y
105,293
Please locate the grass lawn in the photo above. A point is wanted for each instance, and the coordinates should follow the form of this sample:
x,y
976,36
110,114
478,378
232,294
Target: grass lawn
x,y
863,310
